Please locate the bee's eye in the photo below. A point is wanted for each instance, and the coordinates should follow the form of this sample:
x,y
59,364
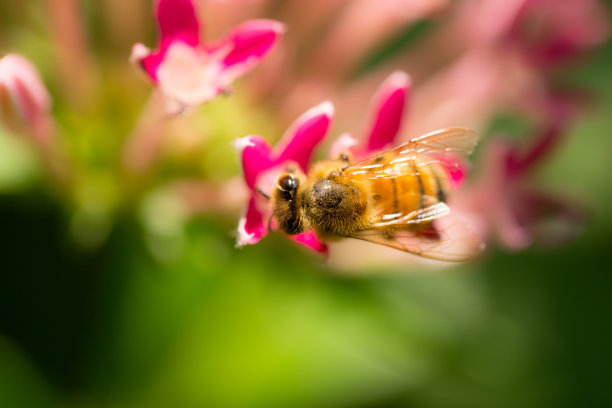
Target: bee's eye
x,y
288,182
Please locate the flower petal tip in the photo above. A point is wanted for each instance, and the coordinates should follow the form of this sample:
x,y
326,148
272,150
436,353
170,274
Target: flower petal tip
x,y
245,238
275,26
265,25
305,134
177,20
139,52
323,109
344,143
388,105
399,79
242,143
22,89
348,140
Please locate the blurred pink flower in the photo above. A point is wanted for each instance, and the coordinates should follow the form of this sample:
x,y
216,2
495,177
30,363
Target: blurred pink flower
x,y
189,71
25,104
25,108
545,32
551,31
262,165
503,203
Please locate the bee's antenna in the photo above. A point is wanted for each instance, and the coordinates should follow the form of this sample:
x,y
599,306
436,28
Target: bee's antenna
x,y
270,223
267,197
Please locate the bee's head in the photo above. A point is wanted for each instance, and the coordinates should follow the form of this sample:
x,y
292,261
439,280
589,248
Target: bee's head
x,y
287,209
287,185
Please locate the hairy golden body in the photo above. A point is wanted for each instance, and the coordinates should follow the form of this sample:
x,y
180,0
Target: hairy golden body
x,y
396,198
357,202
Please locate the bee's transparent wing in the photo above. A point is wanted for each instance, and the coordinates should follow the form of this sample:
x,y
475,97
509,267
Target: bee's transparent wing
x,y
433,232
430,148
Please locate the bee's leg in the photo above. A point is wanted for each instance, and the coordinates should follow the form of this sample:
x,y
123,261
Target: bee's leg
x,y
270,223
260,191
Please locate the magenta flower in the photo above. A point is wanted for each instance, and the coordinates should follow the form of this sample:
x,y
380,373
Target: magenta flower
x,y
388,106
190,72
262,165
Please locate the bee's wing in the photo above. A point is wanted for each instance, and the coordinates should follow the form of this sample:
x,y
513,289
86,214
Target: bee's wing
x,y
433,232
434,146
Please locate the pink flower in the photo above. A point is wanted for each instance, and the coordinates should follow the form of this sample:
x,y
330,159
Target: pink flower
x,y
262,166
190,72
24,101
503,203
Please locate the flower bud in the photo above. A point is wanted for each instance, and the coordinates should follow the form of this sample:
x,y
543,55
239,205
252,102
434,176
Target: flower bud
x,y
24,100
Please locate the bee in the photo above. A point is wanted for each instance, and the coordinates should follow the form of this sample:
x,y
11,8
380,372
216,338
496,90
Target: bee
x,y
396,198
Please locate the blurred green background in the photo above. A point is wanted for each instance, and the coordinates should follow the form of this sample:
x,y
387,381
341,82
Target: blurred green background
x,y
268,325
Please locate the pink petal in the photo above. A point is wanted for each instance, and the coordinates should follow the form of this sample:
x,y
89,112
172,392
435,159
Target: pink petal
x,y
345,142
177,20
388,110
252,227
255,153
304,135
20,80
248,43
310,240
148,61
456,168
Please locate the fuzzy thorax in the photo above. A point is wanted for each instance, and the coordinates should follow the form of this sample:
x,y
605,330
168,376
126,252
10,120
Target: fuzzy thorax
x,y
334,205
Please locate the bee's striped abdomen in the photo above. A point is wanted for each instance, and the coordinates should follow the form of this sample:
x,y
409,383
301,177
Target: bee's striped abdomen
x,y
420,187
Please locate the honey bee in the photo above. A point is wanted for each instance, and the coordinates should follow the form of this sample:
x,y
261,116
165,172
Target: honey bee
x,y
396,198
